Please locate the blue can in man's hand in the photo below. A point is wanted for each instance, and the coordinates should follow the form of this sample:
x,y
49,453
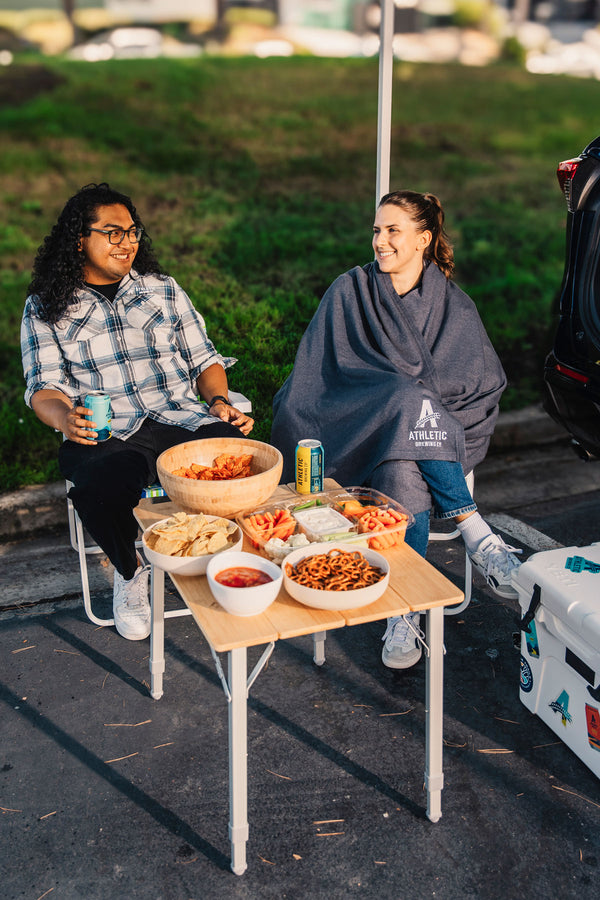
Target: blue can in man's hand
x,y
99,404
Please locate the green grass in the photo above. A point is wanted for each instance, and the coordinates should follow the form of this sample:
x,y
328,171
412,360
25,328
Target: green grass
x,y
255,179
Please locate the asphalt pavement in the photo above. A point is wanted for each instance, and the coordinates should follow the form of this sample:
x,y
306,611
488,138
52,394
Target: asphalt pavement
x,y
105,792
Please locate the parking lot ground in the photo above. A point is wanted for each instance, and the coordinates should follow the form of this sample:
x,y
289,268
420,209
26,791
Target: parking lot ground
x,y
105,792
108,793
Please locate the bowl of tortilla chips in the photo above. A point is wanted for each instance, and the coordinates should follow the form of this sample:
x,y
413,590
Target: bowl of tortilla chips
x,y
220,476
183,544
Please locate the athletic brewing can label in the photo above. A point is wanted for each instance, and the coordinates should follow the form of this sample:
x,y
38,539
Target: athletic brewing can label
x,y
309,467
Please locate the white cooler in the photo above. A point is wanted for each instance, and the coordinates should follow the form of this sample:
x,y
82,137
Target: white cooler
x,y
560,653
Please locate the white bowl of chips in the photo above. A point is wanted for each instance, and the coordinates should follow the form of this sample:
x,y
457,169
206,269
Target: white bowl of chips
x,y
183,544
314,586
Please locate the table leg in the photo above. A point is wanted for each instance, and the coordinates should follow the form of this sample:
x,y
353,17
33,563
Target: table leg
x,y
157,631
434,678
238,759
319,647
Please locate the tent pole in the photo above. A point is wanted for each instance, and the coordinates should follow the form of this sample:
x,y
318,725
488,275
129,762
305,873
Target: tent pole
x,y
384,97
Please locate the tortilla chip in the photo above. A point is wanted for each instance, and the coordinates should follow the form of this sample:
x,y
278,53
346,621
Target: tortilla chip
x,y
167,547
217,541
199,547
191,535
151,539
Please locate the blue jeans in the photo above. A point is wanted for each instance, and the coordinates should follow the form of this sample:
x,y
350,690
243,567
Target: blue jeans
x,y
447,487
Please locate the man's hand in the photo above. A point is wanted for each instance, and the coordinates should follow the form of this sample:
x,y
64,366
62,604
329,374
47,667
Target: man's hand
x,y
79,429
228,413
54,408
213,383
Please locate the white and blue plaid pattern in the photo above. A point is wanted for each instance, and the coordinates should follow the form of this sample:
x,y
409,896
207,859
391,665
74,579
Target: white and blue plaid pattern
x,y
145,349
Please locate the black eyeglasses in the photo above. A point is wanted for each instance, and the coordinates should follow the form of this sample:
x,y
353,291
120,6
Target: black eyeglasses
x,y
116,235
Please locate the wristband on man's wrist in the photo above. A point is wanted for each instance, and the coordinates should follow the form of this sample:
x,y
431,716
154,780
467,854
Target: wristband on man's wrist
x,y
218,397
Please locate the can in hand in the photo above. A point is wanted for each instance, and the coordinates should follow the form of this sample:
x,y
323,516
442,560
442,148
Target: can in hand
x,y
309,467
99,404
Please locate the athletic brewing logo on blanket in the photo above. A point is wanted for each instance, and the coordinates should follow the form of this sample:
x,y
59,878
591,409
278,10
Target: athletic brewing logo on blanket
x,y
423,437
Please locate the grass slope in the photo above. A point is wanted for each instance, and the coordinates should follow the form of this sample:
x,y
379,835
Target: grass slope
x,y
256,178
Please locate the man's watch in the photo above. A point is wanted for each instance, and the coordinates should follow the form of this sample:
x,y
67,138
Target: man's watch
x,y
218,397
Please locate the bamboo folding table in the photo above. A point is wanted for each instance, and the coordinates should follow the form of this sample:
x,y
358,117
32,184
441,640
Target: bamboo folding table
x,y
415,586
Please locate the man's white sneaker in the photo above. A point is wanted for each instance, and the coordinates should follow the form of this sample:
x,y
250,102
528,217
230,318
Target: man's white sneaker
x,y
131,609
496,561
401,650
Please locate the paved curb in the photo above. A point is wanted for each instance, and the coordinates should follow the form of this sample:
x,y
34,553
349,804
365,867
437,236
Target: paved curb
x,y
32,510
41,508
529,427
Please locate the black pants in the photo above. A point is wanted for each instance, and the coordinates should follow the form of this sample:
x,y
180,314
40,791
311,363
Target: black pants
x,y
108,480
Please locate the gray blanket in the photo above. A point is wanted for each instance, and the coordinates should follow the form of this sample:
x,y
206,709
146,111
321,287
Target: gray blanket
x,y
380,377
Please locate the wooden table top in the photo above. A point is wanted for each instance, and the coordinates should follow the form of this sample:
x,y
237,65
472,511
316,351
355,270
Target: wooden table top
x,y
414,586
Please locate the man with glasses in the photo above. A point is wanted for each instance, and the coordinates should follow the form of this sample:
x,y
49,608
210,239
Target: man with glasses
x,y
94,321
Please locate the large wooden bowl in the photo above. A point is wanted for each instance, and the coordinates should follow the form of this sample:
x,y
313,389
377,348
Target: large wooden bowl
x,y
220,498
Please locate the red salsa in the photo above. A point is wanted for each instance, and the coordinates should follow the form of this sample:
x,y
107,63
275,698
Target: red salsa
x,y
242,576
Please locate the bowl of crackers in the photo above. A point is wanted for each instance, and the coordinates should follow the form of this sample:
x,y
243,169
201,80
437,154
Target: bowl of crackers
x,y
220,476
335,576
183,544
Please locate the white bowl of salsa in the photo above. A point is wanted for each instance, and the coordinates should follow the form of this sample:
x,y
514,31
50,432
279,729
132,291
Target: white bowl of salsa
x,y
243,583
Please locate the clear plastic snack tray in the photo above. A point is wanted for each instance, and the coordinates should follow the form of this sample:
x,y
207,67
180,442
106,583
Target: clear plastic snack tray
x,y
354,514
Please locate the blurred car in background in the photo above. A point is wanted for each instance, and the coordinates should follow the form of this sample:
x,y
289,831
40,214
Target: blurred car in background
x,y
132,43
572,369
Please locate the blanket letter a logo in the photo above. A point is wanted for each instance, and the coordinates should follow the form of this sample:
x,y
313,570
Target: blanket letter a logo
x,y
427,415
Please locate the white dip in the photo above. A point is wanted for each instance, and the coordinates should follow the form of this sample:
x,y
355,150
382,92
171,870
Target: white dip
x,y
322,520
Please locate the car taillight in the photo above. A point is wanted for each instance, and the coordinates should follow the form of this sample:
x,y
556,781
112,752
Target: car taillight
x,y
565,172
571,373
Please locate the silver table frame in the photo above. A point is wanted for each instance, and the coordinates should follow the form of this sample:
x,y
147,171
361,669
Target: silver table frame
x,y
236,687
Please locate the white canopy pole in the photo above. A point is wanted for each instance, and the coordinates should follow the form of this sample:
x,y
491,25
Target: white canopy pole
x,y
384,109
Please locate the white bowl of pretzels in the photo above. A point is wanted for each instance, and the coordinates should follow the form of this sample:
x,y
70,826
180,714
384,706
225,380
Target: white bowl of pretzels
x,y
335,576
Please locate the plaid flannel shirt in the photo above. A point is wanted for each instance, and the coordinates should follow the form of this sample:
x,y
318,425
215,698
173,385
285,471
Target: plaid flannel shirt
x,y
145,349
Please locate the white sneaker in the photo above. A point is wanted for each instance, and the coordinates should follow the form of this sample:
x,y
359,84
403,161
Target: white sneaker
x,y
401,649
131,609
495,560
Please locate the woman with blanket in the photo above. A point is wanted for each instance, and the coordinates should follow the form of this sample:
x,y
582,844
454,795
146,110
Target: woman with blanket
x,y
397,378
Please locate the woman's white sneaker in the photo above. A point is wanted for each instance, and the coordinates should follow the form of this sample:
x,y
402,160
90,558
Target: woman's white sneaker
x,y
131,608
401,650
496,561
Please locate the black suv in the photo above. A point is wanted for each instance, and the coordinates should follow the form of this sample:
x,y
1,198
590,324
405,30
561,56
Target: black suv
x,y
572,370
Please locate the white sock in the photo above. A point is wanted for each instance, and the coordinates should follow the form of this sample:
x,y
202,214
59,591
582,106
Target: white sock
x,y
473,530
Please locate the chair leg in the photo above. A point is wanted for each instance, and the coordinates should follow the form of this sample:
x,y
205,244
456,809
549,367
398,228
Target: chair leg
x,y
460,607
77,538
85,583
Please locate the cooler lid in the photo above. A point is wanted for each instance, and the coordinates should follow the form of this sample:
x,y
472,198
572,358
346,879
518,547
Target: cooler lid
x,y
570,582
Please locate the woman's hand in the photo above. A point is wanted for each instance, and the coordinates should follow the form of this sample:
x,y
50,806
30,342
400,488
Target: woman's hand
x,y
228,413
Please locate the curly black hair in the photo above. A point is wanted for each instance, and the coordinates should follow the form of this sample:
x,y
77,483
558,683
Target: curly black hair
x,y
58,267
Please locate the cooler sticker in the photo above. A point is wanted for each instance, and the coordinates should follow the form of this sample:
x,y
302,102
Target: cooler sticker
x,y
561,705
594,692
581,564
593,726
525,676
531,639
